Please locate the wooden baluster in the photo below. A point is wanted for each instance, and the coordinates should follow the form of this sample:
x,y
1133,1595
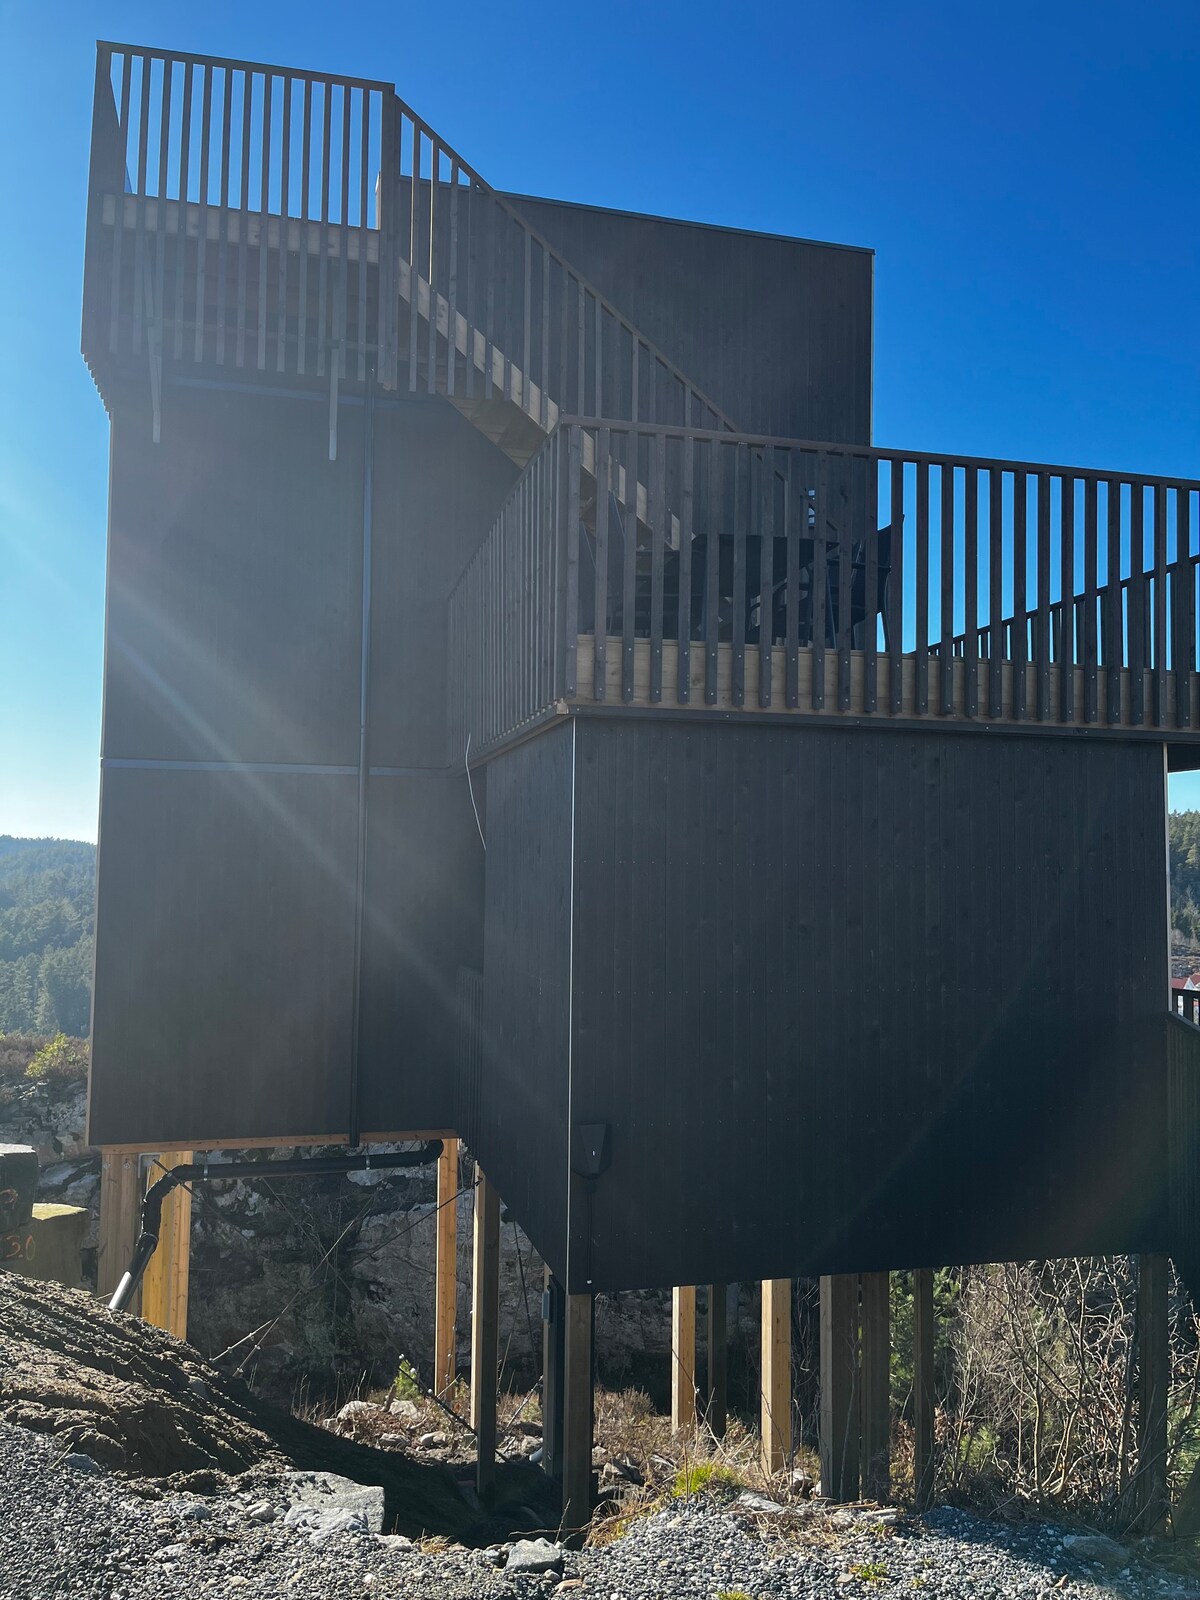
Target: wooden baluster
x,y
1184,584
895,594
712,582
946,644
305,202
1115,653
244,217
114,323
1091,650
139,238
1019,646
683,671
1069,651
820,581
285,211
1160,604
181,236
1043,588
922,590
264,207
656,517
996,650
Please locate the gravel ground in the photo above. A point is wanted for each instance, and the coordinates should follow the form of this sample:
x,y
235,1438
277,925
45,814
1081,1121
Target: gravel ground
x,y
70,1528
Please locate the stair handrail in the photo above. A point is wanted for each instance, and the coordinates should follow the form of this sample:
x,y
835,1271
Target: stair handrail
x,y
440,153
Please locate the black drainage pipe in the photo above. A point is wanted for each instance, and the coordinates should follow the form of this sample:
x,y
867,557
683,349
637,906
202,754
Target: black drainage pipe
x,y
203,1172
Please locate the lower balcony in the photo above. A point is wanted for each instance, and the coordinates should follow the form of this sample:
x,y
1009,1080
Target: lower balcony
x,y
705,572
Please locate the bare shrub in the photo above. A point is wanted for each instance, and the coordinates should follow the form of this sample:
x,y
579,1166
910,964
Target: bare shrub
x,y
1037,1403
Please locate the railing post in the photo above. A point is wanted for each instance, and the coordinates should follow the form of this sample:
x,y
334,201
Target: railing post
x,y
574,457
105,172
385,220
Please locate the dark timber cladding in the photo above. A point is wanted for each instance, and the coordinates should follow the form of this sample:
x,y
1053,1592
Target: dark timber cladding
x,y
229,816
778,331
885,982
519,1131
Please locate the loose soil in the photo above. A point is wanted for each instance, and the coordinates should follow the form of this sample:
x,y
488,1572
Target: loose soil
x,y
139,1402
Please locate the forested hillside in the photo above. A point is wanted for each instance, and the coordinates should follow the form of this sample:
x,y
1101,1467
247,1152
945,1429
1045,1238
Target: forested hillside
x,y
47,916
1184,835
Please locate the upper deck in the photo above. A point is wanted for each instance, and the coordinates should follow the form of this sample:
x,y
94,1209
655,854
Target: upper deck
x,y
255,224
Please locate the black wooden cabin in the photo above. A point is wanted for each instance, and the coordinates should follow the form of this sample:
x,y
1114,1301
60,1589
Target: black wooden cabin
x,y
823,785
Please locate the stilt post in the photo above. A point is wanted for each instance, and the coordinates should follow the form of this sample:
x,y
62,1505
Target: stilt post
x,y
445,1331
165,1283
716,1404
776,1420
485,1342
683,1359
1151,1499
839,1387
876,1385
553,1357
924,1344
577,1411
120,1205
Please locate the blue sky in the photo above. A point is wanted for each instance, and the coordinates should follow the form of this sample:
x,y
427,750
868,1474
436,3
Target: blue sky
x,y
1027,175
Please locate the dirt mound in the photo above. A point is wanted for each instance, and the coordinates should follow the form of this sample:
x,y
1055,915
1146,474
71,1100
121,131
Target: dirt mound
x,y
133,1398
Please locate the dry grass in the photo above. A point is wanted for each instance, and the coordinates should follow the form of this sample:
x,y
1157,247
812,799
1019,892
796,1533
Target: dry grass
x,y
629,1433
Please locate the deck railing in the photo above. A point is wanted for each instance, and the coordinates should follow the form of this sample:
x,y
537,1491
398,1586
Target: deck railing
x,y
222,153
508,627
659,564
299,222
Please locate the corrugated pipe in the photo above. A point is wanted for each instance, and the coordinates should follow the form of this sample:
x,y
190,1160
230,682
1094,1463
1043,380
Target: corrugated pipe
x,y
203,1172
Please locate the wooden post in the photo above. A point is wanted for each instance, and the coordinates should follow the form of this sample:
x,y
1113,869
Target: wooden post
x,y
839,1387
776,1420
120,1205
683,1360
165,1282
876,1385
577,1411
553,1356
485,1319
716,1404
924,1342
445,1323
1151,1501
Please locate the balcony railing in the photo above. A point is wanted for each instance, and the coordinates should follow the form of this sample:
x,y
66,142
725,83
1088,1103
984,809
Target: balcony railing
x,y
660,565
307,223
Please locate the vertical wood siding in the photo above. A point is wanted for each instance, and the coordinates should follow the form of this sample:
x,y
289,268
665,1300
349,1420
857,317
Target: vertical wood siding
x,y
854,1000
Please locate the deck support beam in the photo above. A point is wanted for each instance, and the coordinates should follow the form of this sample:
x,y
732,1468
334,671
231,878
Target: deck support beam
x,y
839,1387
445,1331
165,1282
485,1330
120,1206
876,1385
683,1360
776,1418
716,1398
924,1344
577,1408
1151,1497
